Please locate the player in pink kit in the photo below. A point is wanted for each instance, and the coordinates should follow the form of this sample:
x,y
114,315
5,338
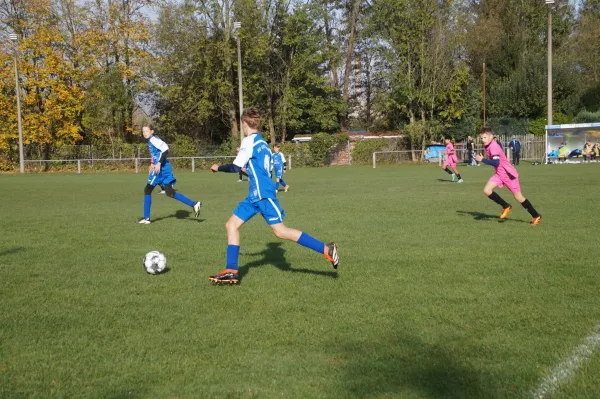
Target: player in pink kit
x,y
451,161
506,175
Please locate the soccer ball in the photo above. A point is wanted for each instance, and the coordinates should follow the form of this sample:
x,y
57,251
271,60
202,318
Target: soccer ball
x,y
155,262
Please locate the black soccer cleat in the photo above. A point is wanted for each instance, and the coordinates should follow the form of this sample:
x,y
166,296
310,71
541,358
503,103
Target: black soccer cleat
x,y
331,254
225,277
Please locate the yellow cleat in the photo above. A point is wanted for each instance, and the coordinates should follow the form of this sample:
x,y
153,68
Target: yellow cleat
x,y
505,212
536,221
286,189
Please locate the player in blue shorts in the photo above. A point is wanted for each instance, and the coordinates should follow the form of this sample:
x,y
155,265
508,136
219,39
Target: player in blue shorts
x,y
256,155
161,173
279,166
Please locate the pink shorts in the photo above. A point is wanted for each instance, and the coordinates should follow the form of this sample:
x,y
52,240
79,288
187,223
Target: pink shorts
x,y
451,161
512,185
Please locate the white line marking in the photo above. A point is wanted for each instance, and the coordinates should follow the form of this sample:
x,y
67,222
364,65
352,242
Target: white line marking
x,y
565,370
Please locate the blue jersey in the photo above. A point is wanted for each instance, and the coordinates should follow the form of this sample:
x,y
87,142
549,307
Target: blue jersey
x,y
157,148
255,154
278,160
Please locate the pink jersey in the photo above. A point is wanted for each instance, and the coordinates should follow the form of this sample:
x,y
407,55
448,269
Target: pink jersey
x,y
450,152
505,170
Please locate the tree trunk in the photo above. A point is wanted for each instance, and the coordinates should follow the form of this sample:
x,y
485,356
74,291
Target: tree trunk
x,y
351,41
270,116
332,62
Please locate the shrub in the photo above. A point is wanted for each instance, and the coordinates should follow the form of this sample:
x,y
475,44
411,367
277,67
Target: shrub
x,y
319,146
364,149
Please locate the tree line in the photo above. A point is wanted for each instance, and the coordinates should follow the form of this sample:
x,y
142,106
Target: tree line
x,y
92,71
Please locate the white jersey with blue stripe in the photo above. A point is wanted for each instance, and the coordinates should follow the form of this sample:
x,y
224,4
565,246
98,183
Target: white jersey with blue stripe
x,y
255,154
157,148
278,160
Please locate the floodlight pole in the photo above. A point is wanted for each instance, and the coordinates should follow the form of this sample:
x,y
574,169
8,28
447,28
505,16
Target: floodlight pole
x,y
236,27
550,2
549,121
14,37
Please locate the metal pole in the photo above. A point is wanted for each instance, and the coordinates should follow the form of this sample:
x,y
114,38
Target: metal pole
x,y
193,164
484,125
549,66
79,166
374,160
18,90
240,89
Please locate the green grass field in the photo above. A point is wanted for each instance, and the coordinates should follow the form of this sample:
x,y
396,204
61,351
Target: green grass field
x,y
434,297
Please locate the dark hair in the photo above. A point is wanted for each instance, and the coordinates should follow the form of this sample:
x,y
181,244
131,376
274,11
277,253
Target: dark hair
x,y
487,130
252,117
149,125
448,137
276,145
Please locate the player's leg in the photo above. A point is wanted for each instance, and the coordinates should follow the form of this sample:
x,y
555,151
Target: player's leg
x,y
171,193
446,169
244,212
488,190
536,218
147,200
460,180
283,183
277,183
274,215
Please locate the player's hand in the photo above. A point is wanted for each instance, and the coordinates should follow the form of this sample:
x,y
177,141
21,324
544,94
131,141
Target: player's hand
x,y
284,171
157,168
214,168
244,169
478,157
150,169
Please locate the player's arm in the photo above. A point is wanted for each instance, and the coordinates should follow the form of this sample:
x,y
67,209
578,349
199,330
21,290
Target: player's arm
x,y
494,161
284,163
164,151
239,162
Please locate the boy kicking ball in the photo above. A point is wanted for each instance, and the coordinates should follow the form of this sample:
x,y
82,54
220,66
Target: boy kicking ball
x,y
506,175
256,155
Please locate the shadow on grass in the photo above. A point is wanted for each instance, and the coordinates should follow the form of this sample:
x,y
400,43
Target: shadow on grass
x,y
445,181
404,366
275,255
10,251
180,214
485,216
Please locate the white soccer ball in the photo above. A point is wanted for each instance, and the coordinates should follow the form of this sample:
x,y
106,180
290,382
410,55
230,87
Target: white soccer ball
x,y
155,262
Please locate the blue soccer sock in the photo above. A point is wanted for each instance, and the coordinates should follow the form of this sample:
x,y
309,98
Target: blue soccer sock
x,y
282,182
147,203
182,198
276,185
233,253
312,243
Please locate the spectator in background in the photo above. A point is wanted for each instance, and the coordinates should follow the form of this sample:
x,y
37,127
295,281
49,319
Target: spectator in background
x,y
563,152
515,146
587,151
471,151
596,151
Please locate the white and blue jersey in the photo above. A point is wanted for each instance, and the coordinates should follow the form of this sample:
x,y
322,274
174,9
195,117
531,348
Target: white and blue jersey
x,y
255,154
157,148
278,164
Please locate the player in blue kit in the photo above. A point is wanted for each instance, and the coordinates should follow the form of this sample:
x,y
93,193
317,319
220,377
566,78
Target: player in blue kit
x,y
279,167
161,173
256,155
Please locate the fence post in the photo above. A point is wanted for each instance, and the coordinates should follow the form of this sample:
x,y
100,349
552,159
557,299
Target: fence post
x,y
136,165
290,161
193,164
79,166
374,160
349,163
